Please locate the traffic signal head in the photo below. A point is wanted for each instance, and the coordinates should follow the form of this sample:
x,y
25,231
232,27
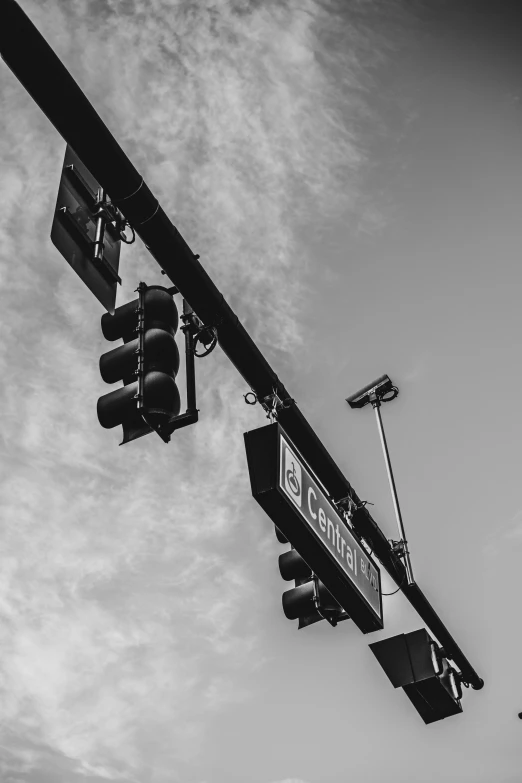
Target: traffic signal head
x,y
416,663
309,601
147,363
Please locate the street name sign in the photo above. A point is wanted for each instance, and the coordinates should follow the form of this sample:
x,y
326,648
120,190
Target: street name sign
x,y
73,232
292,496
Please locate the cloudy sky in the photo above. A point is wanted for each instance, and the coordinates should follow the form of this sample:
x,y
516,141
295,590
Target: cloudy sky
x,y
350,174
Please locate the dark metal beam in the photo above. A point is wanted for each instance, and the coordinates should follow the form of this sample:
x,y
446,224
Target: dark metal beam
x,y
52,87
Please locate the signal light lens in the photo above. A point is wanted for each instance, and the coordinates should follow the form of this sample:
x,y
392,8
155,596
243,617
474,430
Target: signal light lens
x,y
161,353
117,406
292,566
122,323
162,395
119,363
300,601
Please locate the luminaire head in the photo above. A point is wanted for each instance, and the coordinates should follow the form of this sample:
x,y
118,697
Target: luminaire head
x,y
380,387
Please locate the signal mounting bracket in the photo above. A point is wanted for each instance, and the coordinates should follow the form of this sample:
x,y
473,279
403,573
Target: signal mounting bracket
x,y
273,404
191,415
331,617
200,333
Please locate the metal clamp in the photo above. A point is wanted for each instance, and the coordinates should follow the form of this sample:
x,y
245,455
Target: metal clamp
x,y
201,333
107,212
273,404
399,548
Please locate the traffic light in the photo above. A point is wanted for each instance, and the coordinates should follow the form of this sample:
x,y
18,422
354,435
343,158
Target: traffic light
x,y
309,601
147,363
416,663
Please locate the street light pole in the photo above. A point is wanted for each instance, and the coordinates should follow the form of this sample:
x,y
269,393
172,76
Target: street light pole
x,y
402,544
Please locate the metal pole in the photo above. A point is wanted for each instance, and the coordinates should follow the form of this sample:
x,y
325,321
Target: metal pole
x,y
376,404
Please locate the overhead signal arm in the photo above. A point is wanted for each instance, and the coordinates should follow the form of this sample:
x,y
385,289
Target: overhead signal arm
x,y
61,99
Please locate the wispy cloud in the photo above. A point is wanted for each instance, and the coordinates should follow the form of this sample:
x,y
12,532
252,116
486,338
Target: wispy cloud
x,y
291,780
120,587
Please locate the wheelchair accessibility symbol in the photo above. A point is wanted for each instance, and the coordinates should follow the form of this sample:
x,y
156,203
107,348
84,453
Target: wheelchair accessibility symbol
x,y
293,482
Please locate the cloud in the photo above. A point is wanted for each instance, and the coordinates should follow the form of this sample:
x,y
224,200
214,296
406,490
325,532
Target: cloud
x,y
291,780
122,596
